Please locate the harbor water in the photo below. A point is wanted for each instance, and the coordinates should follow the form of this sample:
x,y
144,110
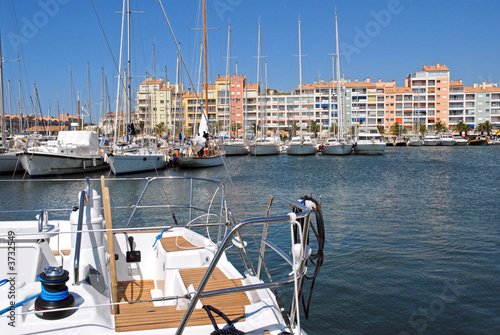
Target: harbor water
x,y
413,236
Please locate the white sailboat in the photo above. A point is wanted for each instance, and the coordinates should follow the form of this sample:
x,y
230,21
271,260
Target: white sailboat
x,y
232,146
262,146
338,145
202,151
159,274
131,158
8,159
301,145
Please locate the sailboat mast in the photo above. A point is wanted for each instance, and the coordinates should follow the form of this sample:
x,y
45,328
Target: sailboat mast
x,y
205,57
300,84
258,85
129,88
228,73
4,141
340,111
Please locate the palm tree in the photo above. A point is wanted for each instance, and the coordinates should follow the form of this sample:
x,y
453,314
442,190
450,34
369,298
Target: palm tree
x,y
160,128
315,128
462,127
440,126
487,127
395,129
255,128
423,128
381,129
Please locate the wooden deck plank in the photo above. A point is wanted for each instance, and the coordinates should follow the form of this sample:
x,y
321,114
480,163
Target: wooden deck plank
x,y
176,243
144,316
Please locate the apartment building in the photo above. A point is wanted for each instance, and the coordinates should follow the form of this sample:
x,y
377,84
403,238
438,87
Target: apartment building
x,y
427,97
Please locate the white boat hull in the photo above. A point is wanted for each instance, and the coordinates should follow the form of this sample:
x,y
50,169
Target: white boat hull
x,y
301,149
415,143
447,142
264,150
461,142
200,162
9,163
337,149
430,143
233,149
134,163
39,164
369,148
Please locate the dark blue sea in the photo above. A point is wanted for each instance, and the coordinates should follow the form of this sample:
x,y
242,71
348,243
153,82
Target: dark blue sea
x,y
412,237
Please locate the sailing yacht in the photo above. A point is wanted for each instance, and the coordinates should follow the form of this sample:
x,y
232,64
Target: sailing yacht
x,y
130,157
338,145
262,146
202,151
301,145
232,146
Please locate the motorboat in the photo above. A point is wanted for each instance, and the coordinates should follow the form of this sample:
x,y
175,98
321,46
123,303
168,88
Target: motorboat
x,y
478,140
169,272
369,142
74,151
415,141
431,140
460,141
447,140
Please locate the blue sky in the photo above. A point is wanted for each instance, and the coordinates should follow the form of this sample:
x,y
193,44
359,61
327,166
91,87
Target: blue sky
x,y
379,39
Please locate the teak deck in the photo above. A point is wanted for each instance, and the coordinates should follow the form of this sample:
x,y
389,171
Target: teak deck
x,y
144,316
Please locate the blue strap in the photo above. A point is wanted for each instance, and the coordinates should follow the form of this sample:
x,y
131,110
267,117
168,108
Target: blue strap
x,y
160,236
3,282
3,311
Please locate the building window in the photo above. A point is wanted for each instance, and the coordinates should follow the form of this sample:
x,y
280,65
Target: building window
x,y
444,81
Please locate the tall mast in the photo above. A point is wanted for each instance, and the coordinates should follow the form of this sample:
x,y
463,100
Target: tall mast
x,y
89,104
10,105
258,85
153,119
228,73
205,57
129,89
300,84
4,141
20,107
340,110
36,107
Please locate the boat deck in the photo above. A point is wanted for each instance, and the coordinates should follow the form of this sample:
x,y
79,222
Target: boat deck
x,y
145,316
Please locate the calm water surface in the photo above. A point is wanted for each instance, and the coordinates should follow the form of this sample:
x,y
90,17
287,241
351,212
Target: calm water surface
x,y
413,237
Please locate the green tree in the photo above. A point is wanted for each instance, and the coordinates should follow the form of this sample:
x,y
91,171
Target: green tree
x,y
440,126
292,128
381,129
160,128
462,127
255,128
485,127
423,128
315,128
334,129
235,127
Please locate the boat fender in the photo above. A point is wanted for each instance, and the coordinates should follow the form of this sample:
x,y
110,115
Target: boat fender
x,y
54,294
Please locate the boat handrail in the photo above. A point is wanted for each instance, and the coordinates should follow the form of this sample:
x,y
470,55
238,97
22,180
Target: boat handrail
x,y
220,251
150,180
78,240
